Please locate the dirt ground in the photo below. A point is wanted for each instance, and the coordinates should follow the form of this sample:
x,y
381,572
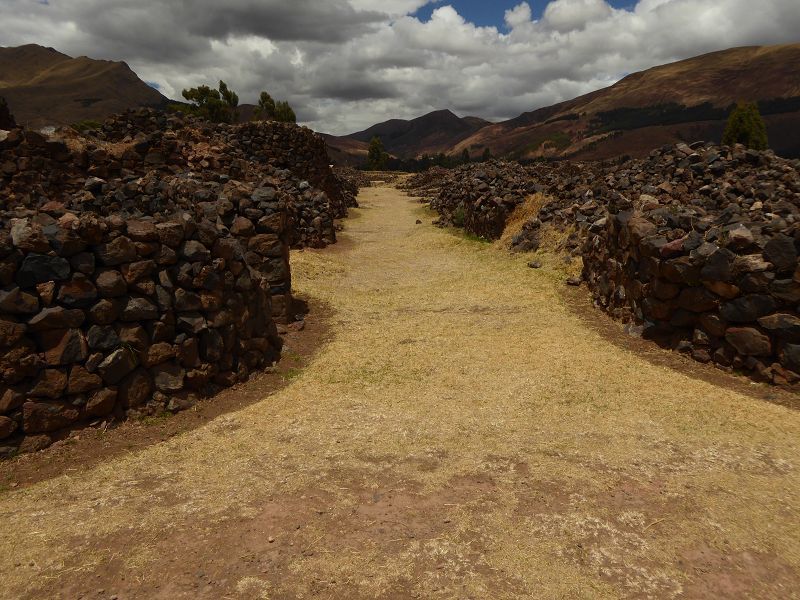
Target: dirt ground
x,y
465,430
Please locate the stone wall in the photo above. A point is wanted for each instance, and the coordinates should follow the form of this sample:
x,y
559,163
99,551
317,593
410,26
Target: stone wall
x,y
696,246
251,145
146,265
707,262
351,181
478,197
105,315
145,163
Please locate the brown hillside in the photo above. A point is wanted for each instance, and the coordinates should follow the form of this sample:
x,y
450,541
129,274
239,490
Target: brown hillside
x,y
429,134
673,102
45,87
722,78
346,151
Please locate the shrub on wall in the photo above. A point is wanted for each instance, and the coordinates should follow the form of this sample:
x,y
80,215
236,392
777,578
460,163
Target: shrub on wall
x,y
745,126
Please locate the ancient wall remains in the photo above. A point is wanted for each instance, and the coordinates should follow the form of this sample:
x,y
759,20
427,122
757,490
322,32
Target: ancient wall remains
x,y
147,264
696,246
707,262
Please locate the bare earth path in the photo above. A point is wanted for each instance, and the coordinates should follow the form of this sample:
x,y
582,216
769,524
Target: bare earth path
x,y
462,435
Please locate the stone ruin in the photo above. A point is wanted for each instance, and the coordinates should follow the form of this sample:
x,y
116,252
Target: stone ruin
x,y
146,264
695,247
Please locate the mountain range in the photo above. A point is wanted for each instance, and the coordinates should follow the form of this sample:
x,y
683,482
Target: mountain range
x,y
45,87
435,132
682,101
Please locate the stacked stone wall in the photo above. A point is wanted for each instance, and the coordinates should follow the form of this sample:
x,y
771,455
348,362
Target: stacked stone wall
x,y
715,276
147,264
696,246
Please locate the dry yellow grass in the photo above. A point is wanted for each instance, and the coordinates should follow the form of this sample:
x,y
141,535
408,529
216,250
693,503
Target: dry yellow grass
x,y
521,215
552,240
77,143
462,435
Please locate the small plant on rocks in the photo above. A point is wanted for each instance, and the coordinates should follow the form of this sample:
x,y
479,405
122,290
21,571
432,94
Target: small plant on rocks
x,y
745,126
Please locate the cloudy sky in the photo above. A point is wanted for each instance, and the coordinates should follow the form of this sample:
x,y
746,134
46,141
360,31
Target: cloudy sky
x,y
346,64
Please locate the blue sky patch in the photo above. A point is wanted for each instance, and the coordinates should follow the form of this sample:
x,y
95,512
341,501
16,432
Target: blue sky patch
x,y
485,13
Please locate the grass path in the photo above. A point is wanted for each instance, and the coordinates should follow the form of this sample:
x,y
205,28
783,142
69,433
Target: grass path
x,y
462,435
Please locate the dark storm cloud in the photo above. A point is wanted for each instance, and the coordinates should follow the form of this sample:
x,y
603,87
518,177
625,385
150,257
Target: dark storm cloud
x,y
299,20
328,21
152,29
342,88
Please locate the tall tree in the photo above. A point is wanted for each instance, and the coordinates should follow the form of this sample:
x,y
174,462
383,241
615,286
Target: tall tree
x,y
487,155
745,126
218,106
271,110
284,112
376,155
465,156
229,97
266,106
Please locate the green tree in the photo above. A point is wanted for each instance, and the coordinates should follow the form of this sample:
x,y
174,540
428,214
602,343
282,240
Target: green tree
x,y
745,126
487,155
229,97
465,156
218,106
271,110
376,155
266,106
231,100
284,112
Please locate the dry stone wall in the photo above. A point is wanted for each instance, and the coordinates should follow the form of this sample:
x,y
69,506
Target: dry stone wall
x,y
351,181
147,265
696,246
103,315
707,261
477,197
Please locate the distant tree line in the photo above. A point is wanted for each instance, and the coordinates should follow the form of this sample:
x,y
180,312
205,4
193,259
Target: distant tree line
x,y
221,105
622,119
379,160
627,118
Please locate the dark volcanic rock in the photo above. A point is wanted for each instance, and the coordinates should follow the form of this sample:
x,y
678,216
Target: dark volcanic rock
x,y
781,252
14,301
56,318
126,278
38,268
139,309
116,252
43,417
111,284
749,341
747,308
117,365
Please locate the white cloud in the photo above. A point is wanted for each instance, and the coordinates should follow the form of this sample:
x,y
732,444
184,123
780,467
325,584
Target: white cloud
x,y
518,16
346,64
569,15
